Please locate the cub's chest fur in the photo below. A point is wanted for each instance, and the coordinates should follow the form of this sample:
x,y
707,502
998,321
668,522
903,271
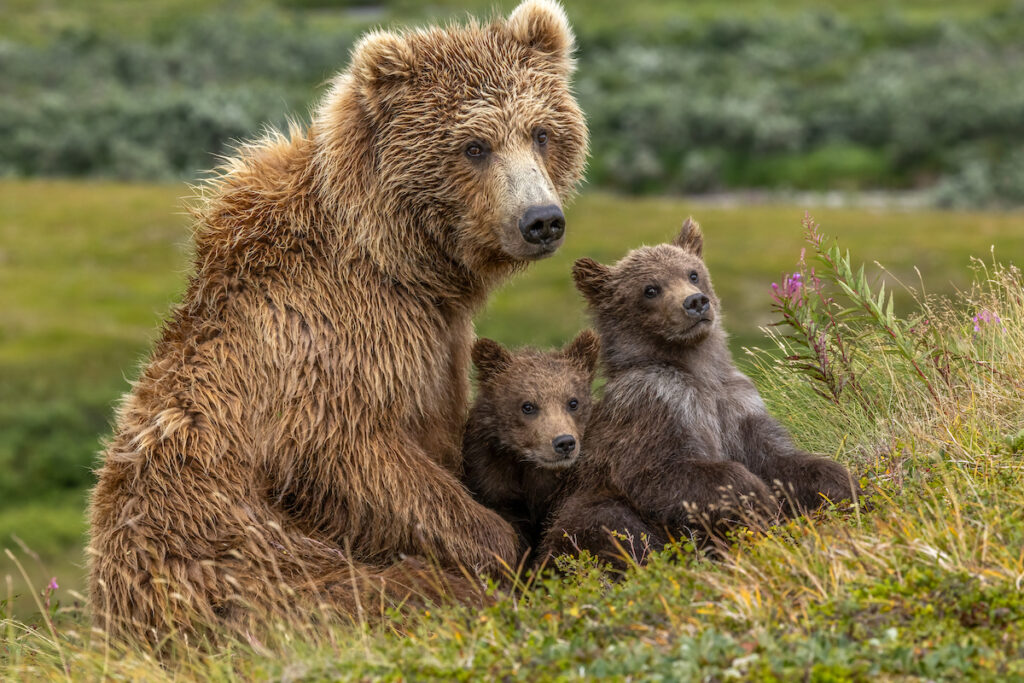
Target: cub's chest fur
x,y
707,408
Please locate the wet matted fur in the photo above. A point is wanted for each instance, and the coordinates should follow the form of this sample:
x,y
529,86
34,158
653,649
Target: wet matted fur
x,y
297,429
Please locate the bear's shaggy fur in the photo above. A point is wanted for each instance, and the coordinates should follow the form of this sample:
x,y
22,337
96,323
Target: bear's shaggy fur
x,y
526,426
296,431
681,441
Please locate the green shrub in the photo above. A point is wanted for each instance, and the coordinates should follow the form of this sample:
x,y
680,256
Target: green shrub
x,y
805,99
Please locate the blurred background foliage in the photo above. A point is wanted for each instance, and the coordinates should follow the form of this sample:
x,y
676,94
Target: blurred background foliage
x,y
682,97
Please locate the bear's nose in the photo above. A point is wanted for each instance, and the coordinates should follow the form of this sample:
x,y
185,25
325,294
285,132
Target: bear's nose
x,y
564,444
696,305
542,224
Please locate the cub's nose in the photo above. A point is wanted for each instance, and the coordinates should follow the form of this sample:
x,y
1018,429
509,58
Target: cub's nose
x,y
542,224
564,444
696,305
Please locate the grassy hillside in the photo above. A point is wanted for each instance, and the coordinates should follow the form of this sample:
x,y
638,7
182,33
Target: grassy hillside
x,y
88,270
924,581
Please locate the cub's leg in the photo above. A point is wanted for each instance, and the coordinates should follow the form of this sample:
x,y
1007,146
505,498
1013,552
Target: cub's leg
x,y
806,481
803,480
694,494
605,526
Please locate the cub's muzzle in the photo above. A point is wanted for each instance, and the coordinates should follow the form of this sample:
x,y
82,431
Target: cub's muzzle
x,y
696,305
564,445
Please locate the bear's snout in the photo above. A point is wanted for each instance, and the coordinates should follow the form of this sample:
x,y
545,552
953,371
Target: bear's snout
x,y
696,305
564,445
542,225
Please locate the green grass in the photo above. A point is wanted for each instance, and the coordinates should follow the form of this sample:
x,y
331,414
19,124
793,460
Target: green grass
x,y
88,270
86,273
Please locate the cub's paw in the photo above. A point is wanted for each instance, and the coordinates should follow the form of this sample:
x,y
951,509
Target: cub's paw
x,y
745,495
811,481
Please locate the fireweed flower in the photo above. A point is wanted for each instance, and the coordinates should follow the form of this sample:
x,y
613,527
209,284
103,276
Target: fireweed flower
x,y
791,289
53,584
984,318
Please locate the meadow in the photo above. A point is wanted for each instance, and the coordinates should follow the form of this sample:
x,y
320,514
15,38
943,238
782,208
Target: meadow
x,y
88,270
769,108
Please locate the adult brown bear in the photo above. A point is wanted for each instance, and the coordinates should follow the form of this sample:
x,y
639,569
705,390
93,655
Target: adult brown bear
x,y
296,431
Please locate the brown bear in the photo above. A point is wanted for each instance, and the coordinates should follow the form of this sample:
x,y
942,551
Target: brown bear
x,y
681,441
297,429
525,427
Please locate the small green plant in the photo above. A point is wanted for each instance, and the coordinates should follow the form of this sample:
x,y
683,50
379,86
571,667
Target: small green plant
x,y
831,328
844,337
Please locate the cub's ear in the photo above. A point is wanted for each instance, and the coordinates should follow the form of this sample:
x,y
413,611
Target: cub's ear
x,y
590,277
690,238
542,25
490,358
381,63
584,351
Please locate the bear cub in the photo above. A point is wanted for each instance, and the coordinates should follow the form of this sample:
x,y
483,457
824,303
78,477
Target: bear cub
x,y
681,442
526,426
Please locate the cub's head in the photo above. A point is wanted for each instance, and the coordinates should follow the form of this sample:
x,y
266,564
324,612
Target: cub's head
x,y
474,128
538,403
661,294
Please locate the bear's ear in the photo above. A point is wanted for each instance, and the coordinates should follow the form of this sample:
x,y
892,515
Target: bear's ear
x,y
542,25
381,63
584,351
690,238
490,358
590,277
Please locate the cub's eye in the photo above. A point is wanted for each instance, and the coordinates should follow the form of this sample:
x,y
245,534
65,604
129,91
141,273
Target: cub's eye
x,y
529,408
476,150
651,291
693,276
573,404
541,136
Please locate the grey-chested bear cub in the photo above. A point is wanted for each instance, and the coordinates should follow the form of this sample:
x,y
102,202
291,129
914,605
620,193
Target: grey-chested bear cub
x,y
526,426
681,440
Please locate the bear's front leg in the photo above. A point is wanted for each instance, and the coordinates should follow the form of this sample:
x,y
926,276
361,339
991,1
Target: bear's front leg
x,y
803,480
436,516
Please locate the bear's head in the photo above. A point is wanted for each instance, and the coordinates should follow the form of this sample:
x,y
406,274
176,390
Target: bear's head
x,y
538,403
660,296
471,130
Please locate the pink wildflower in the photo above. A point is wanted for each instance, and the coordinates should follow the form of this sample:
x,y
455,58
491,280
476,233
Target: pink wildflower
x,y
791,290
986,317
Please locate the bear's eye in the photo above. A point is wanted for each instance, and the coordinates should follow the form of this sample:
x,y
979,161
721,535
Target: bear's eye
x,y
651,291
541,136
693,276
573,404
476,150
529,408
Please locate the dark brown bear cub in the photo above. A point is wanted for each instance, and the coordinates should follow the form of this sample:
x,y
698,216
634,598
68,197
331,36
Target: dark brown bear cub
x,y
526,426
681,441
